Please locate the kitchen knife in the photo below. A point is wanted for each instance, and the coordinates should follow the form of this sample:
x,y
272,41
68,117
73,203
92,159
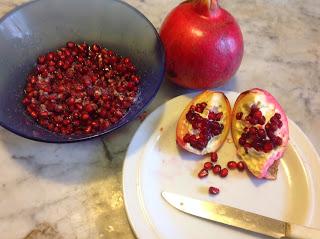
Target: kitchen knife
x,y
240,218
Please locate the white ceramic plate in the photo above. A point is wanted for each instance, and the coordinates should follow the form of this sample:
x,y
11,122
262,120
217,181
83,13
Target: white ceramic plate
x,y
154,163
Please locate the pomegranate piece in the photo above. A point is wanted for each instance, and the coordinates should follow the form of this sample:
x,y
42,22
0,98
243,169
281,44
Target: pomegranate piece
x,y
204,124
224,172
216,169
80,89
203,173
208,165
214,190
214,157
232,165
261,135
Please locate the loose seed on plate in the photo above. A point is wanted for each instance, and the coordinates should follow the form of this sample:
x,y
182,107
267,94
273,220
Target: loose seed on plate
x,y
214,190
216,169
214,157
241,165
232,165
208,165
224,172
203,173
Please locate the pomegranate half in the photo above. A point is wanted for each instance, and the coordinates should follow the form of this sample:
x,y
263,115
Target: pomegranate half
x,y
260,132
203,44
204,124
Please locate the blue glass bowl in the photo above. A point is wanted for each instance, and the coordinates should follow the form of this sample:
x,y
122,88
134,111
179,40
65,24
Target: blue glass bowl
x,y
40,26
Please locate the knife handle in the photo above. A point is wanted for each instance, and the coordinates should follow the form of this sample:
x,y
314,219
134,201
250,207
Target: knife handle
x,y
300,232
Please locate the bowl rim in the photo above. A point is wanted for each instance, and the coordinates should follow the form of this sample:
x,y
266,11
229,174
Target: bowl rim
x,y
108,131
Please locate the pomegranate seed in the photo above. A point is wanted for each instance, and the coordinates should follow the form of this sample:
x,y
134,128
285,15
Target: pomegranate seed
x,y
277,140
203,105
95,124
200,107
85,116
135,79
212,116
277,115
214,190
76,123
70,44
33,114
208,165
254,109
44,114
261,133
89,108
257,114
66,122
232,165
224,172
253,121
214,157
253,131
267,147
241,165
203,173
41,59
50,56
95,47
239,115
219,116
273,120
242,141
267,126
273,127
262,120
216,169
88,129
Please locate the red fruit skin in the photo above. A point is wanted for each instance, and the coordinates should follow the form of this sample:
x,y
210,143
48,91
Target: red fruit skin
x,y
203,49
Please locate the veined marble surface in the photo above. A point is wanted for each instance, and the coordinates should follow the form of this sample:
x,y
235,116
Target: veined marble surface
x,y
74,190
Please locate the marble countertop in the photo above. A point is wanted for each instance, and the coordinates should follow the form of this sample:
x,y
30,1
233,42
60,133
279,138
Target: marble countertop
x,y
74,191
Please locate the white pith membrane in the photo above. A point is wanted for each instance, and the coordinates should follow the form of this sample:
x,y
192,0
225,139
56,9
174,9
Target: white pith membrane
x,y
215,104
259,162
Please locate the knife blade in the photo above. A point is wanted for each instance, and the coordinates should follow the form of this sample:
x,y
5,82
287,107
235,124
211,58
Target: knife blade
x,y
240,218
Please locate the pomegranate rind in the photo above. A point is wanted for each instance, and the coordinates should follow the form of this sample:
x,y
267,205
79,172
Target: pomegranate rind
x,y
260,164
215,100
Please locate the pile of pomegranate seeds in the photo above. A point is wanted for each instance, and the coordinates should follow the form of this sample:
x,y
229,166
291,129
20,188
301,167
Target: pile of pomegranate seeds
x,y
80,89
260,135
206,127
217,170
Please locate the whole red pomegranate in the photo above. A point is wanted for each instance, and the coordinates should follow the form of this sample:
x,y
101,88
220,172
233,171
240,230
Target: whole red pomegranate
x,y
203,44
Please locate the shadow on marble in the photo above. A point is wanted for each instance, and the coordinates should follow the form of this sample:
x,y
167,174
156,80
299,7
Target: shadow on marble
x,y
231,85
168,86
74,163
